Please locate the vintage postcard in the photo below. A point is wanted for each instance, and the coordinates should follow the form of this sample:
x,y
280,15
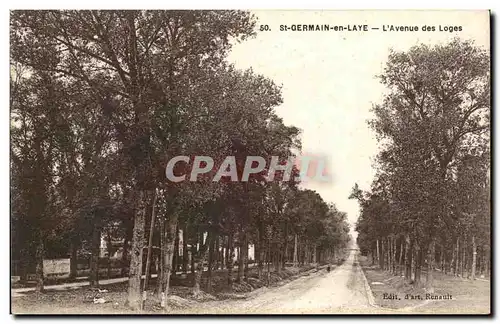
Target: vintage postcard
x,y
250,162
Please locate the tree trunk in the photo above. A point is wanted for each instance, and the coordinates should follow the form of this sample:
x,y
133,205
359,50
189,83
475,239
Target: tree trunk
x,y
303,255
223,253
230,261
378,256
394,255
241,261
489,267
390,246
484,258
161,273
300,258
474,255
175,261
392,240
295,256
430,267
261,254
268,261
245,272
211,254
280,259
451,264
418,266
39,255
73,263
408,258
217,252
184,249
462,260
285,258
23,265
383,248
94,258
389,253
169,254
478,260
226,251
258,260
109,248
457,257
442,260
466,263
193,253
400,262
200,259
150,248
238,254
135,270
277,263
128,236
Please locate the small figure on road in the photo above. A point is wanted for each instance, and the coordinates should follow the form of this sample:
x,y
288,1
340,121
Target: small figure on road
x,y
328,268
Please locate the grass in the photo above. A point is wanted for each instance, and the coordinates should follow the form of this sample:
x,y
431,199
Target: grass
x,y
467,296
55,280
80,300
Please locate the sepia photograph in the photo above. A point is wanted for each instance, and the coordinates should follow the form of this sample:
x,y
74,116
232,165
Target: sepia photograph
x,y
250,162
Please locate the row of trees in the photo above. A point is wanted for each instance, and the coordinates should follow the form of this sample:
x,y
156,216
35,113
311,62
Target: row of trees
x,y
429,204
101,100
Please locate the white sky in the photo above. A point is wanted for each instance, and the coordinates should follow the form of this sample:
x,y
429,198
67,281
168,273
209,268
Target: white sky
x,y
329,82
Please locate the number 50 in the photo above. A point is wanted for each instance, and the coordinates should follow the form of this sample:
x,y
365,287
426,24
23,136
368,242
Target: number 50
x,y
264,28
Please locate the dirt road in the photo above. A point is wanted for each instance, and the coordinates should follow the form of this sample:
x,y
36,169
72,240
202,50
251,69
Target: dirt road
x,y
342,291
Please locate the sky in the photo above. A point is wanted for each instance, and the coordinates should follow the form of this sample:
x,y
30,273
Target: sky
x,y
329,79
